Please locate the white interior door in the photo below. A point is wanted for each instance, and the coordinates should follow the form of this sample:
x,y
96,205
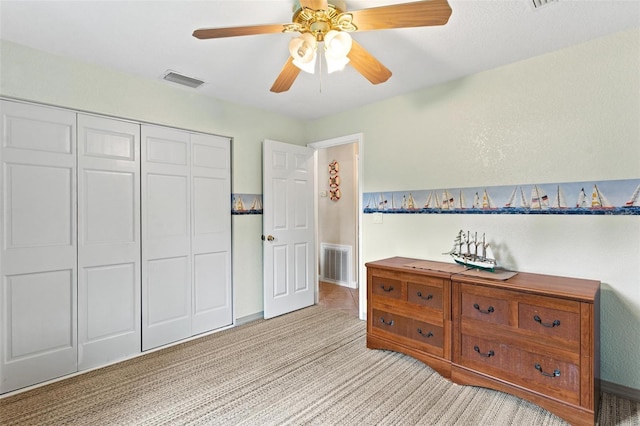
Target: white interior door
x,y
38,262
166,247
289,249
211,232
108,240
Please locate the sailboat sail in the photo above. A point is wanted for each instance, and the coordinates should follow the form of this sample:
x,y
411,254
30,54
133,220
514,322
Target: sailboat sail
x,y
559,201
411,203
448,202
382,205
634,201
512,197
582,200
427,204
523,200
239,205
371,203
476,202
256,205
461,202
539,199
487,202
598,200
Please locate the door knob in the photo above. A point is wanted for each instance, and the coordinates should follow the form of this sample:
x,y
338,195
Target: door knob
x,y
268,238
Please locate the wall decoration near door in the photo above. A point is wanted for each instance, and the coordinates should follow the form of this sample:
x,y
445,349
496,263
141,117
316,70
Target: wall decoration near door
x,y
334,181
612,197
246,204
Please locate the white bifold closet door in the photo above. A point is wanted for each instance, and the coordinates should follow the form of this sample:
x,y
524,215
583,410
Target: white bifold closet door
x,y
38,262
108,240
186,234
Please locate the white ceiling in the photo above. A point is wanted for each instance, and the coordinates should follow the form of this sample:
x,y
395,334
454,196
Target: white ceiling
x,y
146,38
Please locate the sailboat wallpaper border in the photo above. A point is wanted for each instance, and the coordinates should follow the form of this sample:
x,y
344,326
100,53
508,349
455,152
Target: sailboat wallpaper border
x,y
612,197
242,204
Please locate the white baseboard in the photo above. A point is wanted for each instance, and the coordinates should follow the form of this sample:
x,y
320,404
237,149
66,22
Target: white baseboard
x,y
619,390
351,284
250,318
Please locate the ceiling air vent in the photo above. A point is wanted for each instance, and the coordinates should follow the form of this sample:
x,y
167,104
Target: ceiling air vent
x,y
537,4
182,79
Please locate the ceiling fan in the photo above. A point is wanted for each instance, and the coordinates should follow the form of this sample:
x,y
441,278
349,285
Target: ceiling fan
x,y
317,21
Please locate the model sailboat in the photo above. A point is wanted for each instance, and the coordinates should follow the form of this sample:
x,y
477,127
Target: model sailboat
x,y
472,252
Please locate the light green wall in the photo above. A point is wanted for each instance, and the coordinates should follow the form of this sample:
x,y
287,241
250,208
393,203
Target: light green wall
x,y
33,75
572,115
566,116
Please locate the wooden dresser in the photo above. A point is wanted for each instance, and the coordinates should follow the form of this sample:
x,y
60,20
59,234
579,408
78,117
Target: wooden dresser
x,y
533,336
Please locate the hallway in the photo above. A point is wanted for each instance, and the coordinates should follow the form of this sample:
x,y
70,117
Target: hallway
x,y
335,296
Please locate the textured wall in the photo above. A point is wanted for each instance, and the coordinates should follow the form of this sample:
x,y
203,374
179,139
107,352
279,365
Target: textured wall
x,y
567,116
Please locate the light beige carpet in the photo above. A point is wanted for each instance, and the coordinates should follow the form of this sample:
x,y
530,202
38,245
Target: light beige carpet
x,y
310,367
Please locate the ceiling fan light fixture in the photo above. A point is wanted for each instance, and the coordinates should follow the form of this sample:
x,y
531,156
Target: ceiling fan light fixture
x,y
303,51
336,64
337,45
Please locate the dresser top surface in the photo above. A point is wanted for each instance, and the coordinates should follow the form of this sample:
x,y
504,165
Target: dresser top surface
x,y
564,287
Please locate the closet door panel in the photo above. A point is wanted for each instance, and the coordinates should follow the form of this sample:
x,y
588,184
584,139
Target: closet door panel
x,y
38,254
211,234
109,240
166,225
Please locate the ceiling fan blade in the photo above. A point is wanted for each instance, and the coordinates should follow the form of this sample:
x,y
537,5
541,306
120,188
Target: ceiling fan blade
x,y
286,78
367,65
406,15
315,4
206,33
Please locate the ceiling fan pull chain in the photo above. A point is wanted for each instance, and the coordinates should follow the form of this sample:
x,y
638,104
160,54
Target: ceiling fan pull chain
x,y
320,71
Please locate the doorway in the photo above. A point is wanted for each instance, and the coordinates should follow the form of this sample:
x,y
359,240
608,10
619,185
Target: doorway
x,y
338,223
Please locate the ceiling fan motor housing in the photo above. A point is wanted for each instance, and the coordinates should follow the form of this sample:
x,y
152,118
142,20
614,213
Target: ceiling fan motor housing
x,y
320,22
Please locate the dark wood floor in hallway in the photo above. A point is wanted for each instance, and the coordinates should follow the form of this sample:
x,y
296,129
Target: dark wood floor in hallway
x,y
335,296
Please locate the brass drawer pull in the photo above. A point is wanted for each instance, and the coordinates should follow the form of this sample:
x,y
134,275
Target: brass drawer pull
x,y
488,311
390,323
555,373
428,297
427,335
488,354
386,289
555,323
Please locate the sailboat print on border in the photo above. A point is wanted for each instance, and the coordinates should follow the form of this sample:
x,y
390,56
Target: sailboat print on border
x,y
621,197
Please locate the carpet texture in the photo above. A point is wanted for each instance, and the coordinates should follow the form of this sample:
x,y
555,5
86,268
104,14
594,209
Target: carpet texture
x,y
310,367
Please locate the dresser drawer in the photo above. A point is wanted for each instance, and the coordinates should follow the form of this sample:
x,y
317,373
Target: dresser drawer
x,y
425,294
488,356
561,321
389,322
551,376
386,287
490,309
417,334
425,333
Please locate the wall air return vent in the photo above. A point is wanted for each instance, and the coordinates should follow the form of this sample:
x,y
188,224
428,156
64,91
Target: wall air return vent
x,y
174,77
537,4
